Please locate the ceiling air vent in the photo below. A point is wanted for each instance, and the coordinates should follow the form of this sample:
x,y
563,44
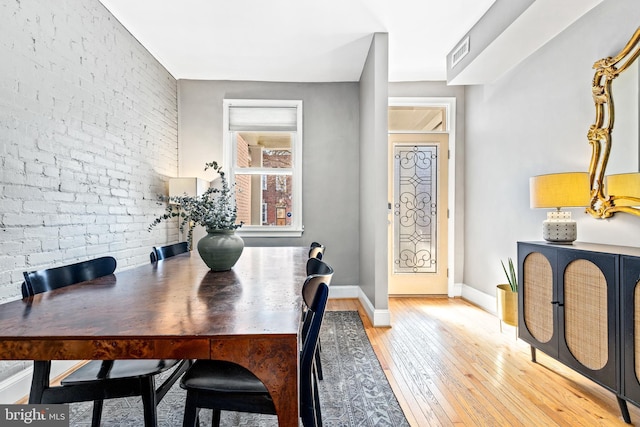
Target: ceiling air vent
x,y
460,52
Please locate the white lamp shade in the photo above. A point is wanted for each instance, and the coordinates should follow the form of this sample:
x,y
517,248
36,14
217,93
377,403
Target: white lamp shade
x,y
190,186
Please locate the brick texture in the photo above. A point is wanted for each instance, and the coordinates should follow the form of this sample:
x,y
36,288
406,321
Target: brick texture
x,y
88,139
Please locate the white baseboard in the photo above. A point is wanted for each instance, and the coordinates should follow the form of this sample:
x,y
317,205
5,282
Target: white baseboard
x,y
456,290
482,300
378,318
17,386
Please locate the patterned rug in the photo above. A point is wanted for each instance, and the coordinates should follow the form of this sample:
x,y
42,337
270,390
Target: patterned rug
x,y
354,392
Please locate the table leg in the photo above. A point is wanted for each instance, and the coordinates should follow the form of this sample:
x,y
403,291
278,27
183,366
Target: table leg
x,y
275,360
40,380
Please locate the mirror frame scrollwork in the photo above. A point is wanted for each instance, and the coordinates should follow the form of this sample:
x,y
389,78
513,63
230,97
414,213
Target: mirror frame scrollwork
x,y
599,135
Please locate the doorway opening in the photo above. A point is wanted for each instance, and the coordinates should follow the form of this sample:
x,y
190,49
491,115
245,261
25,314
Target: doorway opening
x,y
421,184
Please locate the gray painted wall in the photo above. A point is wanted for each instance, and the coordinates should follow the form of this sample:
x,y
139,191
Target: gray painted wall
x,y
88,134
330,157
373,173
534,121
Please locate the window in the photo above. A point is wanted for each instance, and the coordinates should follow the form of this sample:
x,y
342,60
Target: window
x,y
263,148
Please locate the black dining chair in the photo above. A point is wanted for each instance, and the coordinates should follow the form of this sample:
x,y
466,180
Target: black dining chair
x,y
316,250
98,379
317,267
225,386
163,252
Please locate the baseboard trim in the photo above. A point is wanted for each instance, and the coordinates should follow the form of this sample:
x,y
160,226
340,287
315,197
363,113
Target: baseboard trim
x,y
16,387
456,290
377,317
482,300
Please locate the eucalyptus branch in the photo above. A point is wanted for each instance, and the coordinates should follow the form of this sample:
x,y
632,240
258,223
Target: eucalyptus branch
x,y
215,209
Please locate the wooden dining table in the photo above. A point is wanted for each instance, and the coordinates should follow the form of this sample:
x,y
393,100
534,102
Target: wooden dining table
x,y
175,309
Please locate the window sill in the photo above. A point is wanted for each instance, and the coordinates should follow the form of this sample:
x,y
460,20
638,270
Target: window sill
x,y
268,232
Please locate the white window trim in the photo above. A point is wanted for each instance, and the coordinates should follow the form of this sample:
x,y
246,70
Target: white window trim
x,y
228,154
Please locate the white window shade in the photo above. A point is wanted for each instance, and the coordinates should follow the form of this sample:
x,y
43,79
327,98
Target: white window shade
x,y
275,119
261,126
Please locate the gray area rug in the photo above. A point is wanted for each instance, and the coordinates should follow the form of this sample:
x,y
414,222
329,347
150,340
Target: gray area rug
x,y
354,392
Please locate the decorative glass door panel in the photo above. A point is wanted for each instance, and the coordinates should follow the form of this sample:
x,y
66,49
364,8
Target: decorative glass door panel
x,y
415,209
418,213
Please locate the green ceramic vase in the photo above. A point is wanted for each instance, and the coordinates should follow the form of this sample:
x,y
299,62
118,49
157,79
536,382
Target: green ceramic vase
x,y
220,249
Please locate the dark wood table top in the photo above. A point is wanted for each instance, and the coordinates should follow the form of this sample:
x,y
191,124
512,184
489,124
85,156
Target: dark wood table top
x,y
172,309
175,309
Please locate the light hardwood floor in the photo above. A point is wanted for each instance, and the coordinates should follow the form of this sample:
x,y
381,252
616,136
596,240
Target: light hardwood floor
x,y
449,365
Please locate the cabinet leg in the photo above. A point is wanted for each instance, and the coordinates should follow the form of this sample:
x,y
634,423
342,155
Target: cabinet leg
x,y
624,410
533,354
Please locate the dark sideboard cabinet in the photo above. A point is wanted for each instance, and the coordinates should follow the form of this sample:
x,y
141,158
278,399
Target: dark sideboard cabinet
x,y
580,304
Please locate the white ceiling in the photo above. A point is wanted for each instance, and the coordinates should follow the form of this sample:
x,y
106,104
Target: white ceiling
x,y
297,40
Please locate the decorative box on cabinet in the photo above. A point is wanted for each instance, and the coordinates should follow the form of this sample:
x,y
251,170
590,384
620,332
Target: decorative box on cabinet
x,y
569,308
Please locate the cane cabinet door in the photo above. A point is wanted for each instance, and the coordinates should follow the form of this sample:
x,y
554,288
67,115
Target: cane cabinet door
x,y
631,327
537,297
587,301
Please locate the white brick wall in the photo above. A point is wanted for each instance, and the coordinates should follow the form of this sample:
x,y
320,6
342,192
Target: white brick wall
x,y
88,137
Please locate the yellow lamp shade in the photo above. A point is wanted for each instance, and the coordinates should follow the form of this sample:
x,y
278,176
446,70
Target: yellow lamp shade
x,y
557,190
624,188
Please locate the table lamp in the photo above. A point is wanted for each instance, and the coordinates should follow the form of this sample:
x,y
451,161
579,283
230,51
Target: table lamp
x,y
193,187
560,190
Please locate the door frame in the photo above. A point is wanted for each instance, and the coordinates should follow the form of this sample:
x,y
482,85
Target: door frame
x,y
453,289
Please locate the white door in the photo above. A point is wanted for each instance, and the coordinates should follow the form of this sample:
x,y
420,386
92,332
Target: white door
x,y
418,194
418,215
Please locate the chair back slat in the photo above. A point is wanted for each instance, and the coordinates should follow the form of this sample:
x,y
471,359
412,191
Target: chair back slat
x,y
169,251
318,272
36,282
310,337
316,250
317,266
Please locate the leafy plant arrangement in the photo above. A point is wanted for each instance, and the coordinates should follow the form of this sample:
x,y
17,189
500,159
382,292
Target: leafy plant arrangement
x,y
215,209
512,277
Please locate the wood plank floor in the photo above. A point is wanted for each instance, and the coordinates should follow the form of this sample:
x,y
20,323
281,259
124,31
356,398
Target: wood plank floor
x,y
449,365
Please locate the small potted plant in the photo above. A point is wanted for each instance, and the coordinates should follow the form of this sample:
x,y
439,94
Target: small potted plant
x,y
215,210
507,296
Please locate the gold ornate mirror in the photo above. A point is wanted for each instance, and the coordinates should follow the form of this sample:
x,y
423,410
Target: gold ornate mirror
x,y
619,192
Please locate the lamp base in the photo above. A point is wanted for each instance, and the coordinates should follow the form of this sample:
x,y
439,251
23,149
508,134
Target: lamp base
x,y
559,228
